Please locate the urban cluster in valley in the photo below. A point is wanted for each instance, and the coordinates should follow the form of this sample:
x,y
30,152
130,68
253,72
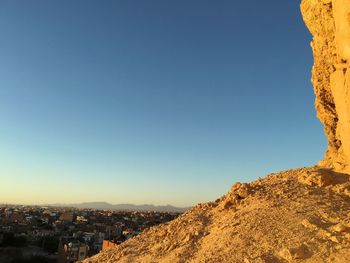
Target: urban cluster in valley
x,y
65,235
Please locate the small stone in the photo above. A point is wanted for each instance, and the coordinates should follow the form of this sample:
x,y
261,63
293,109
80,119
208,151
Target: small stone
x,y
228,204
306,223
316,178
339,247
243,190
187,238
300,252
236,186
255,260
340,228
334,239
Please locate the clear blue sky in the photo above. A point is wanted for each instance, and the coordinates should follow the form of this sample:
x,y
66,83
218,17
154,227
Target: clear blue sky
x,y
151,101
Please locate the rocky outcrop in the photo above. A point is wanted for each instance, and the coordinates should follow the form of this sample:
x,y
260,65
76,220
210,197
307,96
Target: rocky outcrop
x,y
300,215
329,23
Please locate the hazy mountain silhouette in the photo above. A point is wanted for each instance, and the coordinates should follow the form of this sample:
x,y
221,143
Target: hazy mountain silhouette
x,y
125,207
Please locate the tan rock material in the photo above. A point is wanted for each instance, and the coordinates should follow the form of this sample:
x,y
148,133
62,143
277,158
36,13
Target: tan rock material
x,y
277,219
329,23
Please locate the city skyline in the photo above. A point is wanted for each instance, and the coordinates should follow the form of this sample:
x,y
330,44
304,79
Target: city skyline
x,y
157,103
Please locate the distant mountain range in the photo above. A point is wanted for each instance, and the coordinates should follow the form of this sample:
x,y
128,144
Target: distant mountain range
x,y
125,207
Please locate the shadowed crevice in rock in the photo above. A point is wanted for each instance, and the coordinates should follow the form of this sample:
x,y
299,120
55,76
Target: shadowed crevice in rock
x,y
329,23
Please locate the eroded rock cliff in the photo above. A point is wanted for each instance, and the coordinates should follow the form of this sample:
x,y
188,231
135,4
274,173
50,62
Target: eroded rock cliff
x,y
329,23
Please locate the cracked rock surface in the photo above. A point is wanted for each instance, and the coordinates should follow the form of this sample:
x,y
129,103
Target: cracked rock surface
x,y
329,23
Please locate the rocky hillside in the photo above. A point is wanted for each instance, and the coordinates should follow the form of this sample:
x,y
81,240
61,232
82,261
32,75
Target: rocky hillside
x,y
300,215
328,21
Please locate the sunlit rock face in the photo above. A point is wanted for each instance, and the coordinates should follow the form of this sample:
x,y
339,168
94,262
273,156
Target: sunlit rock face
x,y
329,23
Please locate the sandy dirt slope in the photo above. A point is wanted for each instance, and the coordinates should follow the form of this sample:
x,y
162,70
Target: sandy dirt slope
x,y
300,215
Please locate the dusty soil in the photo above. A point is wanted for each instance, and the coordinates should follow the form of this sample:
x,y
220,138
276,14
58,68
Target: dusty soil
x,y
300,215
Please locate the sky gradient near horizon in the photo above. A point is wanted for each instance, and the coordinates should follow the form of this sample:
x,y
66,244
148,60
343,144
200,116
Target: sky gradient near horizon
x,y
162,102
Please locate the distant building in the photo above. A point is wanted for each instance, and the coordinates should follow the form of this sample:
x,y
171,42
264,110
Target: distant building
x,y
17,217
66,216
81,219
129,233
107,244
114,232
88,236
99,237
72,251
